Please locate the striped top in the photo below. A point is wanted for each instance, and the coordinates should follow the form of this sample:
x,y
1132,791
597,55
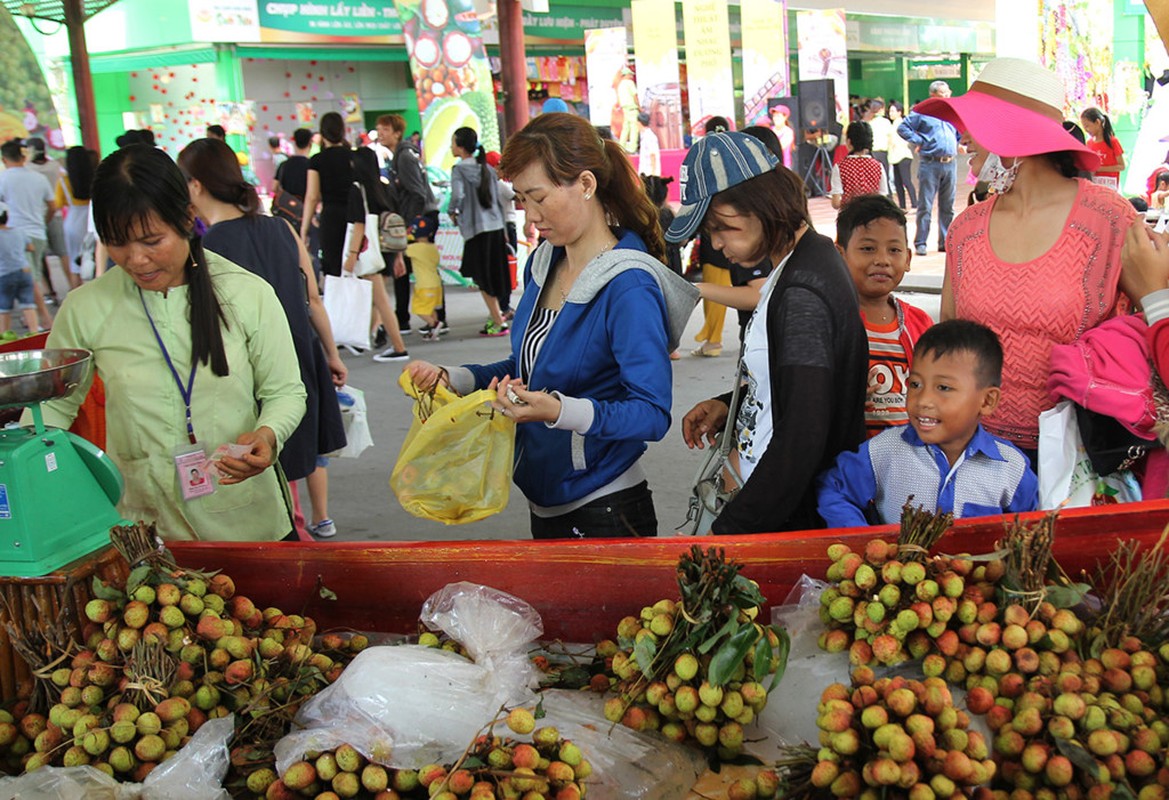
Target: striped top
x,y
888,373
534,336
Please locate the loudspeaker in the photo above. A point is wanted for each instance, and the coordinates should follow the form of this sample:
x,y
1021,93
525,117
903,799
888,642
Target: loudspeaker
x,y
817,104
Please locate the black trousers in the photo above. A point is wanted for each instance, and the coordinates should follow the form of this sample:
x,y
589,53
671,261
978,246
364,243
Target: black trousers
x,y
903,179
627,513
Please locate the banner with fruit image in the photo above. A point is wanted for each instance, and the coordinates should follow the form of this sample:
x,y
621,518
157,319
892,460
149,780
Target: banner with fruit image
x,y
26,107
451,76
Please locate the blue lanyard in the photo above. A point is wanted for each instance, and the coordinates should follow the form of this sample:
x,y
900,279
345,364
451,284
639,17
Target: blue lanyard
x,y
184,391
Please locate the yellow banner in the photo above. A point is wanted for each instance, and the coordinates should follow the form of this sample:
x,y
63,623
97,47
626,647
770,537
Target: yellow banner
x,y
765,63
655,48
708,61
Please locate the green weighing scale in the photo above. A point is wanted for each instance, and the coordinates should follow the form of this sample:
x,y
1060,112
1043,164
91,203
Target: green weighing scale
x,y
58,492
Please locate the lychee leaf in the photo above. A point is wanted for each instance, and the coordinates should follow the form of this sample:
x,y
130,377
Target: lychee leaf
x,y
747,594
138,576
538,712
644,651
1066,596
782,651
728,657
470,762
103,592
1078,755
731,627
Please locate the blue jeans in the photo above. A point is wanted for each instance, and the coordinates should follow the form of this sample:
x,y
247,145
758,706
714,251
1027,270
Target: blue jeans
x,y
939,180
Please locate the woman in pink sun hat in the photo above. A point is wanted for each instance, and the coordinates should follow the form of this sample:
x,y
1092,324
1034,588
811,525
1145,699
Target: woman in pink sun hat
x,y
1039,262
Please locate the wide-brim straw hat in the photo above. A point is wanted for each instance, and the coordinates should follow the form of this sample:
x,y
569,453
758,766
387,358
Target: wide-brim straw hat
x,y
1014,108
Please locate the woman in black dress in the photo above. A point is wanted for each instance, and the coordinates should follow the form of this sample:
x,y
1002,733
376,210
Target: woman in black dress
x,y
268,247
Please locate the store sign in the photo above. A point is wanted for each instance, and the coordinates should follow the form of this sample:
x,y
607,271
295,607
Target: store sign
x,y
765,62
708,61
328,21
338,21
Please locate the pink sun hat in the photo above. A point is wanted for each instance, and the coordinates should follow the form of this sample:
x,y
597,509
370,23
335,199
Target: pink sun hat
x,y
1014,108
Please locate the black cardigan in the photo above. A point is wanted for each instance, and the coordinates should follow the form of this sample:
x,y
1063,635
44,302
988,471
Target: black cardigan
x,y
819,373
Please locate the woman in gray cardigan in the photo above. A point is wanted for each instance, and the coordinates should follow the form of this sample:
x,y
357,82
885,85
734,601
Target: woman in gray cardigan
x,y
475,207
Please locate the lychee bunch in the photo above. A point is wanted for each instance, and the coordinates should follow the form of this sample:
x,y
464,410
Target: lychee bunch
x,y
895,737
694,668
884,607
543,765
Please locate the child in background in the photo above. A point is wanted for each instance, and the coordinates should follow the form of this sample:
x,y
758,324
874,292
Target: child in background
x,y
16,288
423,254
870,234
859,173
943,458
1102,139
657,189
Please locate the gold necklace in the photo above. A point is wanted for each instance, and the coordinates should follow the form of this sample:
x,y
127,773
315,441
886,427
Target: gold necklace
x,y
560,279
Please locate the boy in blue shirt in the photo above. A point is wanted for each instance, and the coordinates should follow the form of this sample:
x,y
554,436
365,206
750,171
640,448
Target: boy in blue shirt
x,y
943,457
16,286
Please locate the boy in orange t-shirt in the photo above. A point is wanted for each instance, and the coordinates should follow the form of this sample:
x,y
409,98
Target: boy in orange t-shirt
x,y
871,236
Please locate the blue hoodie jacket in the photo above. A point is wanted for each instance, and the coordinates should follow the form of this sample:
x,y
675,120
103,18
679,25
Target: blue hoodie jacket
x,y
608,348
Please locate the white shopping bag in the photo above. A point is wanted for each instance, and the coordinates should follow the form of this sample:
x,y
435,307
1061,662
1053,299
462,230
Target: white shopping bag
x,y
357,438
349,304
1065,470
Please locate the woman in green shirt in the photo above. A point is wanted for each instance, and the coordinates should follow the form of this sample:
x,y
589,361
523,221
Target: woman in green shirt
x,y
195,354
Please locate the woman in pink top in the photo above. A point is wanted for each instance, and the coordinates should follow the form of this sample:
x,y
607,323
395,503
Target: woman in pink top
x,y
1039,262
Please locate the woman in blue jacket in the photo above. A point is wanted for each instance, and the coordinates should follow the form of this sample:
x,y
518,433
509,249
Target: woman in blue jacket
x,y
588,379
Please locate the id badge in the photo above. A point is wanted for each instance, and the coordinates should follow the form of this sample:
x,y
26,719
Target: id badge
x,y
191,468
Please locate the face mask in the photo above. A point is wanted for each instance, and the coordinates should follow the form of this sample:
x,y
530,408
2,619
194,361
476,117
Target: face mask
x,y
998,177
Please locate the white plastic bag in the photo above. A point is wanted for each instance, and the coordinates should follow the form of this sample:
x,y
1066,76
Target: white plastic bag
x,y
369,257
409,706
195,773
349,304
353,418
1065,470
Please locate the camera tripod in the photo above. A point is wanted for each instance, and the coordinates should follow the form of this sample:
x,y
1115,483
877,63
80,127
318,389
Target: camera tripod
x,y
818,175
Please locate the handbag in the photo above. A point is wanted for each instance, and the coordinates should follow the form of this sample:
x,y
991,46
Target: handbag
x,y
717,481
349,305
369,259
288,207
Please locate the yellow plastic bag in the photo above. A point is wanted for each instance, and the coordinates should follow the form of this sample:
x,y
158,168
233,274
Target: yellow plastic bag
x,y
455,465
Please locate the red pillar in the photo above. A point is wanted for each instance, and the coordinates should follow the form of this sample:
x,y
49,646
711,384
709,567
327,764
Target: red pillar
x,y
512,59
82,78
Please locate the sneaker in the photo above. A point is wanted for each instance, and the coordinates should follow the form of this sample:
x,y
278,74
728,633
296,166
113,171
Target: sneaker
x,y
390,354
353,351
921,251
428,334
508,315
443,327
491,329
325,529
405,331
381,337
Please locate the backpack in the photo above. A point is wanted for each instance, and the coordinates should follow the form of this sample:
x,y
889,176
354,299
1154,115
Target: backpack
x,y
391,232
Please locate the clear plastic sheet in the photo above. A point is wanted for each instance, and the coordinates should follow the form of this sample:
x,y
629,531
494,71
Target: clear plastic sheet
x,y
626,765
409,706
790,715
195,773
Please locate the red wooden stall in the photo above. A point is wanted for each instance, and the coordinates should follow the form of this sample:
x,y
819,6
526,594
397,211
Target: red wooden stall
x,y
582,589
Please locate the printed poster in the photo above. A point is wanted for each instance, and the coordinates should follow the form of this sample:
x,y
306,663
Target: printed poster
x,y
605,60
304,113
224,20
452,77
351,106
655,48
708,62
765,61
823,52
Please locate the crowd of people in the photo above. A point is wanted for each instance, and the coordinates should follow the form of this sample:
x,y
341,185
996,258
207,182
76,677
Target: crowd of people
x,y
211,337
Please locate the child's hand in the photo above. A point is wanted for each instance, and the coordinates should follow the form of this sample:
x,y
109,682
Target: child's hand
x,y
1144,261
